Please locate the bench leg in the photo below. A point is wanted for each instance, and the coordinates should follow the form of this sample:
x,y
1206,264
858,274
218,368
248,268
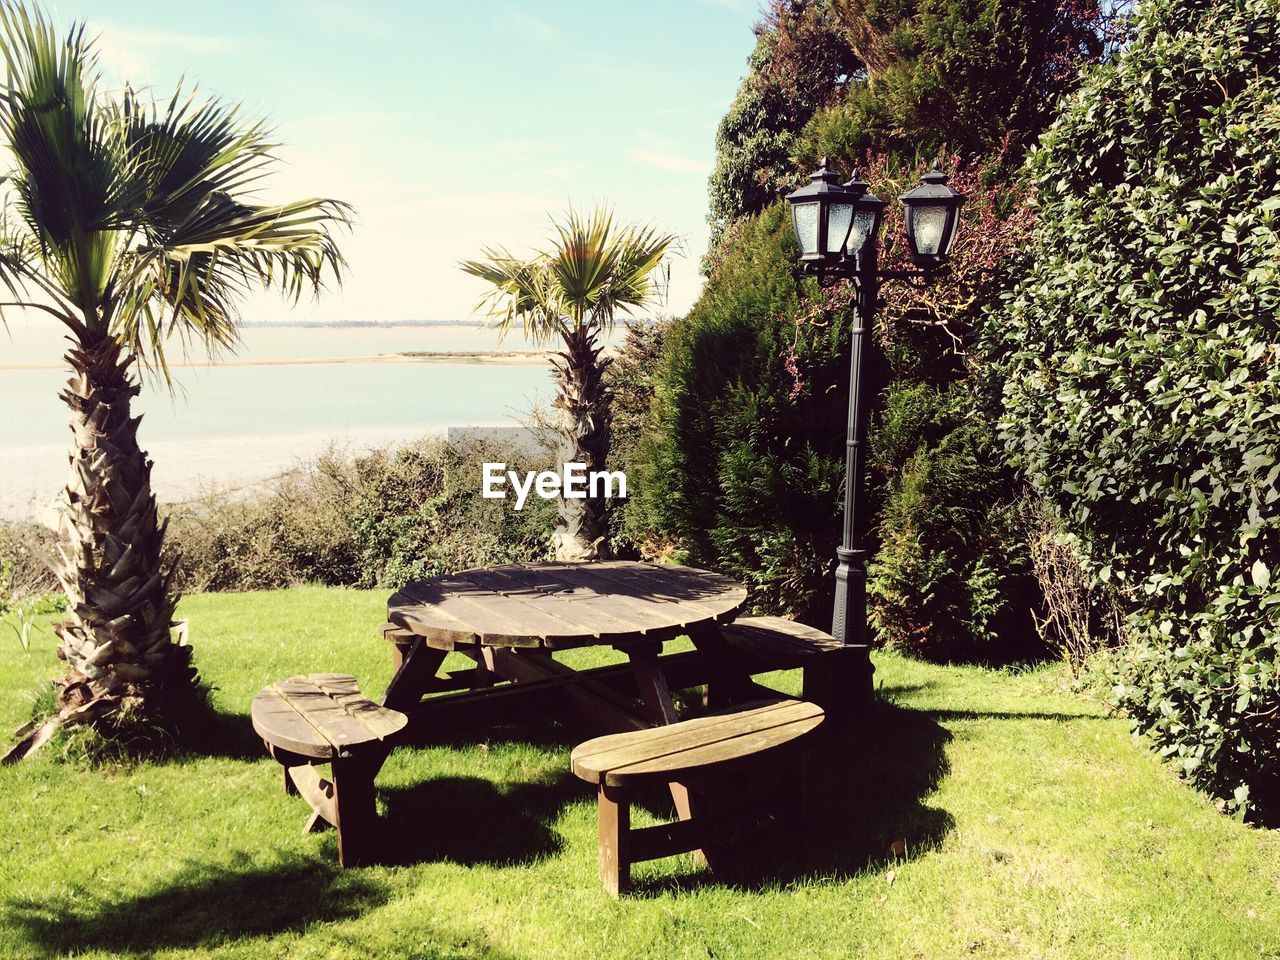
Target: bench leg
x,y
354,810
614,809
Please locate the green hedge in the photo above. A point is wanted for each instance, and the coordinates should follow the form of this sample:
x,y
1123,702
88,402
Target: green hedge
x,y
379,519
737,472
1142,358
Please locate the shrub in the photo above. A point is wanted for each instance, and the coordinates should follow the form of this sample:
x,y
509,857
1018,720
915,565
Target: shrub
x,y
1142,353
296,531
743,469
951,578
971,75
418,513
630,379
379,519
1082,617
800,63
24,570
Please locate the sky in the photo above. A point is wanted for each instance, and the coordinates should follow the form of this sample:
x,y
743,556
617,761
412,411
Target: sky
x,y
455,125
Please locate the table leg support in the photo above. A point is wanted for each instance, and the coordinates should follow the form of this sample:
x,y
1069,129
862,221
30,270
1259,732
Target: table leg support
x,y
615,828
355,812
728,684
652,684
415,671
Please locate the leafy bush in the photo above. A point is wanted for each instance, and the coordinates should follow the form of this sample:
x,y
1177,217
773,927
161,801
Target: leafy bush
x,y
743,469
630,379
800,63
418,513
377,519
971,75
1142,357
951,579
296,531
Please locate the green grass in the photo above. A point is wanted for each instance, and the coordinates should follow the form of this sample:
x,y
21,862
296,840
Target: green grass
x,y
1034,827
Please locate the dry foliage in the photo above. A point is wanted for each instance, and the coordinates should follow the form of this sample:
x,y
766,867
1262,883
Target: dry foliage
x,y
1081,618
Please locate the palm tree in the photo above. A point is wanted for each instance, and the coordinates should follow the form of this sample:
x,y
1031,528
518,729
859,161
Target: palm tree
x,y
574,292
132,222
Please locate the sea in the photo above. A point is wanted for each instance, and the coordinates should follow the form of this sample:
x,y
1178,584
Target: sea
x,y
286,394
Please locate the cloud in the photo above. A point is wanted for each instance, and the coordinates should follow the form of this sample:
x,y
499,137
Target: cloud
x,y
128,53
530,27
667,161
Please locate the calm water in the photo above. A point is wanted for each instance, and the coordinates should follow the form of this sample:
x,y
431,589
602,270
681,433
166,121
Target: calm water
x,y
234,424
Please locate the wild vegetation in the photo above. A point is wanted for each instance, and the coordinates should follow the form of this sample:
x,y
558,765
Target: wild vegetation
x,y
1141,363
131,221
745,459
376,519
1078,425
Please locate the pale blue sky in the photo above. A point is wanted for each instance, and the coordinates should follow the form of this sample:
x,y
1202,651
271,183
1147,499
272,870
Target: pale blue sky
x,y
451,125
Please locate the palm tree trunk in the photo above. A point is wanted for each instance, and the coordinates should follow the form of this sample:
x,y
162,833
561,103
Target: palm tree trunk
x,y
582,526
116,639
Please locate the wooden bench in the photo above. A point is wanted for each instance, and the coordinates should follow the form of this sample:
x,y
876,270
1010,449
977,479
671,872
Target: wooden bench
x,y
324,718
695,757
836,676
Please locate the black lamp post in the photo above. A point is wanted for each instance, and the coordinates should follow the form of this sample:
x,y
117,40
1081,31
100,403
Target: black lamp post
x,y
821,213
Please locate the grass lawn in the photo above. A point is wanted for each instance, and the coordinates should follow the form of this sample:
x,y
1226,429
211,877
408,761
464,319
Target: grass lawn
x,y
1033,826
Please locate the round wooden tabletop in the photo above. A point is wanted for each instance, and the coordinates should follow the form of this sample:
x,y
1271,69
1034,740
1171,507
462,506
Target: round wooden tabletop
x,y
557,605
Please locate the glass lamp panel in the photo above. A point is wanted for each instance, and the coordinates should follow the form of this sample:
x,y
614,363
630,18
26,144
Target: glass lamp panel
x,y
863,223
928,223
804,217
838,217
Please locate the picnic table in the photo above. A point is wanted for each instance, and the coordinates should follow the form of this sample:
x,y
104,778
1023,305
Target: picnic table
x,y
511,620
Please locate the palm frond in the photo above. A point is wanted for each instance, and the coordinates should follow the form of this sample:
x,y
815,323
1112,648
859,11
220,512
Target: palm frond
x,y
191,281
71,172
592,273
520,292
140,213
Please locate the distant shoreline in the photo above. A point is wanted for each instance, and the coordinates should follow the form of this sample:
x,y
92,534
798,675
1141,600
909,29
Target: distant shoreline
x,y
501,357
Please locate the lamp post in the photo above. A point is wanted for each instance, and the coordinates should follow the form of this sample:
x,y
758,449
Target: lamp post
x,y
822,212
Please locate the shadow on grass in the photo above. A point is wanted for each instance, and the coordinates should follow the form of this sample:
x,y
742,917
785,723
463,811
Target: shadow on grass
x,y
199,906
870,787
226,735
467,820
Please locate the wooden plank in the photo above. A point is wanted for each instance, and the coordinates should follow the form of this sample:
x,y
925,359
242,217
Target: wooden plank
x,y
317,791
652,684
530,605
711,758
279,722
614,821
410,609
645,616
497,619
640,580
653,741
678,584
413,619
685,615
691,744
413,677
379,721
456,607
572,596
334,723
778,638
600,704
